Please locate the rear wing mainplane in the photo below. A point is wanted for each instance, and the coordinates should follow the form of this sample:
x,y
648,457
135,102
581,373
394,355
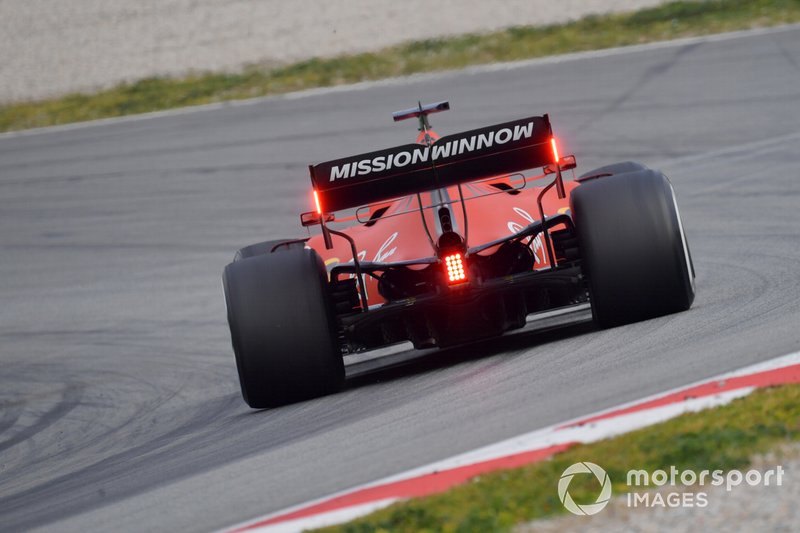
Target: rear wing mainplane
x,y
413,168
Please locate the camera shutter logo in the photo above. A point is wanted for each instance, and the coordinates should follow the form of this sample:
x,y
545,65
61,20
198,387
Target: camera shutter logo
x,y
590,508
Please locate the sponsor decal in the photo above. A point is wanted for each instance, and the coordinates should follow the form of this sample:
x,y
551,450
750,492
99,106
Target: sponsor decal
x,y
436,152
515,227
383,253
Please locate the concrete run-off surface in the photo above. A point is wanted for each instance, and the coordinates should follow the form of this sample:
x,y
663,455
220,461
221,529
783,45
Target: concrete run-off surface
x,y
49,48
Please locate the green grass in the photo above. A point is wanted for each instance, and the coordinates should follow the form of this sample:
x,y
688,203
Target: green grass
x,y
669,21
723,438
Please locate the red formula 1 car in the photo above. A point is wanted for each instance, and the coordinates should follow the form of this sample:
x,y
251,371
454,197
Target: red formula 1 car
x,y
446,241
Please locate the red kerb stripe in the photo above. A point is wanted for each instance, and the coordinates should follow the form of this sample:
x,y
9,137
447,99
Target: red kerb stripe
x,y
417,486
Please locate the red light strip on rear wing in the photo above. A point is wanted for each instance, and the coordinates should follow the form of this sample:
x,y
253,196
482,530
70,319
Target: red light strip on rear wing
x,y
316,202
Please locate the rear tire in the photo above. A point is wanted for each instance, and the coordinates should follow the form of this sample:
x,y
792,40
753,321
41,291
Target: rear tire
x,y
261,248
612,170
282,327
633,247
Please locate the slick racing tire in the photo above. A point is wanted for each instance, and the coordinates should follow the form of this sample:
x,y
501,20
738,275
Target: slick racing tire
x,y
611,170
633,247
282,327
261,248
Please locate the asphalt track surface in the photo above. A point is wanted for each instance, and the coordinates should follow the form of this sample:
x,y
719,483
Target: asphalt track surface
x,y
120,404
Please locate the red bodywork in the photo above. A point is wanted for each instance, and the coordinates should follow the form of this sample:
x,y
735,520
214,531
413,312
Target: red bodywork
x,y
399,235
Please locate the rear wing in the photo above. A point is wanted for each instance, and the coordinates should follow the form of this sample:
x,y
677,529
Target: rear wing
x,y
385,174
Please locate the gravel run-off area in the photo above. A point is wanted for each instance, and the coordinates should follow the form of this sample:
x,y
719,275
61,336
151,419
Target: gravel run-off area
x,y
49,48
